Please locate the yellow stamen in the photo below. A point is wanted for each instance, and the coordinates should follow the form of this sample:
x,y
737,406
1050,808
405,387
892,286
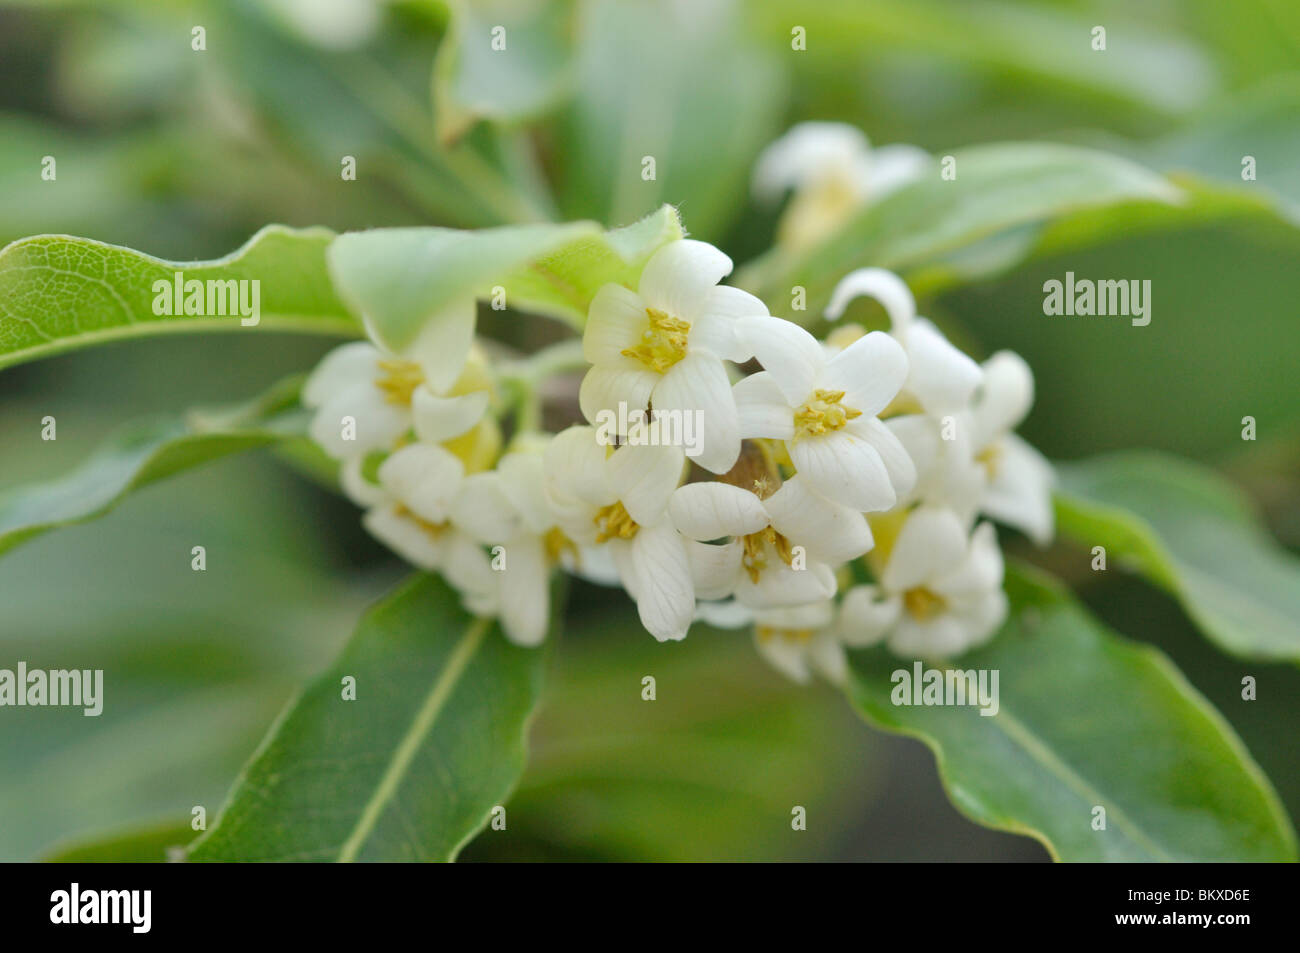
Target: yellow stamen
x,y
557,544
663,343
433,529
766,633
990,458
923,603
823,414
400,380
613,522
755,546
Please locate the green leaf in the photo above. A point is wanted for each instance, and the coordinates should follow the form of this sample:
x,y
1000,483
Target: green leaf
x,y
676,84
1087,719
473,80
144,452
402,280
410,769
150,844
997,188
59,293
1194,535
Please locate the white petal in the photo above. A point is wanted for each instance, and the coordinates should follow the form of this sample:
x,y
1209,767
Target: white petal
x,y
894,166
378,423
781,585
845,469
1020,493
1005,398
829,532
931,543
870,371
786,655
789,353
761,408
807,153
885,286
697,389
443,345
941,378
867,615
526,604
340,370
979,572
356,487
705,511
523,479
661,579
425,477
574,465
898,463
921,440
615,322
826,655
607,386
482,509
728,614
942,636
644,478
467,567
595,564
678,276
404,536
440,418
714,569
714,327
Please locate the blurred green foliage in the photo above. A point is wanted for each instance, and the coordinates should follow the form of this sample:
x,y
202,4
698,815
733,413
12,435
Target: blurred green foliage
x,y
185,154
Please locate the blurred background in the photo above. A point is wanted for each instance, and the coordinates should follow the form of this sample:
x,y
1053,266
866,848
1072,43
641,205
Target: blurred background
x,y
185,153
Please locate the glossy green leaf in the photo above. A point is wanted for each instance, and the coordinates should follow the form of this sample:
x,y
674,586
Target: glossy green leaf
x,y
142,453
675,84
402,280
1196,536
997,188
500,60
410,769
1087,719
58,293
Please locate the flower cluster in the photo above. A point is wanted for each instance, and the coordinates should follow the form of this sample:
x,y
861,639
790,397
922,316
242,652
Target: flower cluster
x,y
837,494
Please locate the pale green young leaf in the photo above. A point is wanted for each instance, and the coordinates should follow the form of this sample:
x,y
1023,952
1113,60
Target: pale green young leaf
x,y
1086,720
58,293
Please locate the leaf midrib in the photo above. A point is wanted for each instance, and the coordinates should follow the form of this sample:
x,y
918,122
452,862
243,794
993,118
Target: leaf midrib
x,y
439,692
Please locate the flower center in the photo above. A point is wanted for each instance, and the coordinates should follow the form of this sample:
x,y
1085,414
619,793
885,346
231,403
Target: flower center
x,y
400,380
663,342
823,414
434,530
613,522
754,558
923,604
990,458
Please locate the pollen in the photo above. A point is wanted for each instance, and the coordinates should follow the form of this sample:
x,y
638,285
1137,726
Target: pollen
x,y
663,343
613,522
823,414
923,604
754,558
990,458
400,380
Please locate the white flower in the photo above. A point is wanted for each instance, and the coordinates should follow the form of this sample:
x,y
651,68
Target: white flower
x,y
939,593
1018,480
800,640
780,545
825,411
621,499
940,378
386,397
663,345
834,172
